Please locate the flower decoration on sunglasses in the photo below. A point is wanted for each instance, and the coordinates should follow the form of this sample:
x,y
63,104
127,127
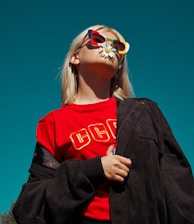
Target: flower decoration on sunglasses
x,y
97,39
107,50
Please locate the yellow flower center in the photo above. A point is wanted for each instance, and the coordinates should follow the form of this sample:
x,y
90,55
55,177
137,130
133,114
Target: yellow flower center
x,y
107,51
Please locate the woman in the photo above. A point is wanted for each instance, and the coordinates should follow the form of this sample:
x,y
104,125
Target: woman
x,y
105,157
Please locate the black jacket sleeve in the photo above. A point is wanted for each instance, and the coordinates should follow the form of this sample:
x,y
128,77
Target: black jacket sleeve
x,y
177,176
55,193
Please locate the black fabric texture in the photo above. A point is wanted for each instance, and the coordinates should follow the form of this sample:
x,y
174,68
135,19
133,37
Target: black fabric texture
x,y
159,188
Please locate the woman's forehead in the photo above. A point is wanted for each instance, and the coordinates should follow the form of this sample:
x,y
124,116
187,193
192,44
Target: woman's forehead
x,y
109,34
109,31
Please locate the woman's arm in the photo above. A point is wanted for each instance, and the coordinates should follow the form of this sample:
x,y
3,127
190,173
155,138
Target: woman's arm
x,y
54,192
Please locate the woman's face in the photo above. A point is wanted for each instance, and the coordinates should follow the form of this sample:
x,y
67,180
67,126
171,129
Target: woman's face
x,y
90,56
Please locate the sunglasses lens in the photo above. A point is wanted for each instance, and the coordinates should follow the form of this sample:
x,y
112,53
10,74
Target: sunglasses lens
x,y
119,45
98,38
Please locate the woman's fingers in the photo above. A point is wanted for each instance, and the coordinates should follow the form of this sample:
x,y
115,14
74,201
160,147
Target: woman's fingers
x,y
116,167
123,160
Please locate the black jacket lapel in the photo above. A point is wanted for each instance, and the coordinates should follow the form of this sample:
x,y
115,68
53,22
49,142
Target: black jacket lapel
x,y
129,112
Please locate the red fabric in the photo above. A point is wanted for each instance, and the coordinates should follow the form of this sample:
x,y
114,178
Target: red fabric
x,y
83,132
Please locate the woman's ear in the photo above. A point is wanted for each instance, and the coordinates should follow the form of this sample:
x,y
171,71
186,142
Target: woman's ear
x,y
74,59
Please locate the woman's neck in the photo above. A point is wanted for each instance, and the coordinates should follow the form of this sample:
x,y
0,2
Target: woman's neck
x,y
93,91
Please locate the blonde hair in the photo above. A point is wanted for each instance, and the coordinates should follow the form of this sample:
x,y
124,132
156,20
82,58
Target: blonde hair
x,y
120,88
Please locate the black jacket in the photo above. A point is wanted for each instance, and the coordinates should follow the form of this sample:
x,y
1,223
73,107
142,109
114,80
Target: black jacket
x,y
158,190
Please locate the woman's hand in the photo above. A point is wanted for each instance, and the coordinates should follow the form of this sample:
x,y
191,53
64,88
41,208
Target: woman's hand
x,y
116,167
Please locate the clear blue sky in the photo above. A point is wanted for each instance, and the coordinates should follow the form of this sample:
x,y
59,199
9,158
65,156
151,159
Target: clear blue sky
x,y
34,38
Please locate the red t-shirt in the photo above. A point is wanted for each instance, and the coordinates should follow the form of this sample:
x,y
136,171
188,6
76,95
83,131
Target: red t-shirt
x,y
83,132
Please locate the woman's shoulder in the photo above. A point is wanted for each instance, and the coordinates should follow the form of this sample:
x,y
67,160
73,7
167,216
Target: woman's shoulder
x,y
139,101
53,114
140,104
